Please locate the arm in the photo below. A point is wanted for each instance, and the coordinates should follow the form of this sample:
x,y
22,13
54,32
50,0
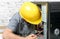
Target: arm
x,y
7,34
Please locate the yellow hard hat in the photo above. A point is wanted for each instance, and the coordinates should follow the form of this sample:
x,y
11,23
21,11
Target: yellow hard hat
x,y
30,13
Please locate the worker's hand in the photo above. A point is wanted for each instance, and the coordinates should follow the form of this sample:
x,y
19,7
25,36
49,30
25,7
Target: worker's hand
x,y
31,36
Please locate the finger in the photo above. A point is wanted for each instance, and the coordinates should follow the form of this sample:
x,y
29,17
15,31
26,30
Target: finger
x,y
32,35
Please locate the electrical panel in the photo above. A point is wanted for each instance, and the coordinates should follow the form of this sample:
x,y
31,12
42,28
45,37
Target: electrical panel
x,y
54,20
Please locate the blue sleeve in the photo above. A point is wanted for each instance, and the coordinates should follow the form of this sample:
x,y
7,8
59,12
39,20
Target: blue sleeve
x,y
13,22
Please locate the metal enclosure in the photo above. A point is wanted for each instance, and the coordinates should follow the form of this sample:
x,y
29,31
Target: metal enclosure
x,y
54,20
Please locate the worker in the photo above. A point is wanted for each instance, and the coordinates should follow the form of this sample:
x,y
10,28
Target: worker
x,y
23,24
